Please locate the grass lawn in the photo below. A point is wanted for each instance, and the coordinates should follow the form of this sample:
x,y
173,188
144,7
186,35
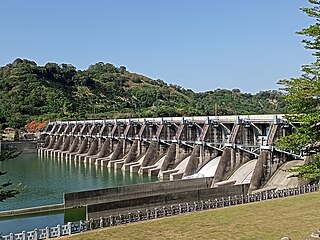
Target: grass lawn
x,y
296,217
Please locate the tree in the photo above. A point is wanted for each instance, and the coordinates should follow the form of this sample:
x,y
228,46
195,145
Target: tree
x,y
310,170
6,189
303,101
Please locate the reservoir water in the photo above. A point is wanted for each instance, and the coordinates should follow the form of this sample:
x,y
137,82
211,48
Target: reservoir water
x,y
44,180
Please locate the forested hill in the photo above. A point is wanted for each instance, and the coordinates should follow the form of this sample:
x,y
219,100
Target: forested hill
x,y
60,91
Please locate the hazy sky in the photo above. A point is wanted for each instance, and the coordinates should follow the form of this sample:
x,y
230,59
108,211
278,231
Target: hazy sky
x,y
197,44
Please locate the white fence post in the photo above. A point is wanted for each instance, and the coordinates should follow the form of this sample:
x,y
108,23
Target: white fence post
x,y
47,232
59,230
35,237
24,235
69,228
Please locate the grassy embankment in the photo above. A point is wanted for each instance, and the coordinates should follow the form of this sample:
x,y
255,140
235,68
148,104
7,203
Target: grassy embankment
x,y
296,217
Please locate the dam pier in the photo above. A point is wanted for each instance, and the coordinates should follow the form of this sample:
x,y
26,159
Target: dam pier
x,y
231,149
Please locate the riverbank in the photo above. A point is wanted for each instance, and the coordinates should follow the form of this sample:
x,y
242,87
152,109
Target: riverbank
x,y
25,146
295,217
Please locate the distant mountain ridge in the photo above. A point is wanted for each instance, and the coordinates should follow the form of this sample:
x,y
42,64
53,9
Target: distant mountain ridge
x,y
31,92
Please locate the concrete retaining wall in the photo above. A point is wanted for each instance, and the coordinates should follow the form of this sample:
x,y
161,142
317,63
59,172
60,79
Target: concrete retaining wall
x,y
134,204
32,210
134,191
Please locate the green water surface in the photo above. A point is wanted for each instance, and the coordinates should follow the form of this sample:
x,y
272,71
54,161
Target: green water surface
x,y
45,180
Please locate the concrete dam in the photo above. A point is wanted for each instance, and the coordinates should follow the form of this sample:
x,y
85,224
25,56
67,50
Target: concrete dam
x,y
233,150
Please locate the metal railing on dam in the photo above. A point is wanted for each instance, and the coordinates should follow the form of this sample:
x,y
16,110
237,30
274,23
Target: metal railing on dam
x,y
267,118
192,130
160,212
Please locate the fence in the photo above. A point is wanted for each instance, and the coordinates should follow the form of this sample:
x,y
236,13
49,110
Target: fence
x,y
114,220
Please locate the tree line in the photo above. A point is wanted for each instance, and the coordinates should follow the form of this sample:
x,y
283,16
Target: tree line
x,y
59,91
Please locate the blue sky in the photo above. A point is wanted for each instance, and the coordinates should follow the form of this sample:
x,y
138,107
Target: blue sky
x,y
202,45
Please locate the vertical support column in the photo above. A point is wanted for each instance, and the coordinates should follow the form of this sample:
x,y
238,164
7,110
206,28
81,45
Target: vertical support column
x,y
233,158
220,172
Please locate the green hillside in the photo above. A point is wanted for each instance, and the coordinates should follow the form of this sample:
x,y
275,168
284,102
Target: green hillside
x,y
60,91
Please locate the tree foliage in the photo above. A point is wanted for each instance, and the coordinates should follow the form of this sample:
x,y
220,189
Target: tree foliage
x,y
6,189
303,93
303,99
310,170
